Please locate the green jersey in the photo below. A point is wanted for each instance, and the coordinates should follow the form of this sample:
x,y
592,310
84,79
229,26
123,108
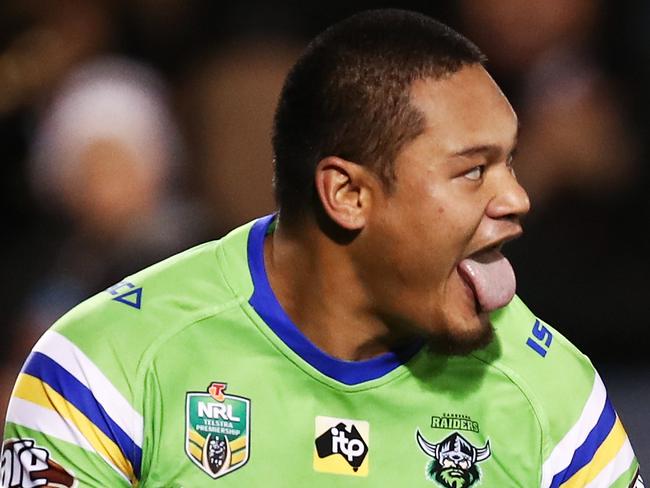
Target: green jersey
x,y
190,374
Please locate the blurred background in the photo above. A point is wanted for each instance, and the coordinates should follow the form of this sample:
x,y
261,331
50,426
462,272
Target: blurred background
x,y
131,130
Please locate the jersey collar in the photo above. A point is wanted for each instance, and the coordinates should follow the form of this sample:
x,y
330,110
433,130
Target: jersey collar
x,y
267,306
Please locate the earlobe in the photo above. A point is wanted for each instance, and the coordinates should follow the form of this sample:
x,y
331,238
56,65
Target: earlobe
x,y
343,190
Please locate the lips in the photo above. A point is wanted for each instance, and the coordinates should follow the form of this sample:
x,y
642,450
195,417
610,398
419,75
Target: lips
x,y
491,277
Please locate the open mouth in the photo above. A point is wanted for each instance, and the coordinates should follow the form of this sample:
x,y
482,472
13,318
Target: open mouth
x,y
469,287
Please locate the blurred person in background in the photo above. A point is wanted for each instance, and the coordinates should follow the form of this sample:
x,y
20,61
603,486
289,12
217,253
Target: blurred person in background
x,y
107,154
40,43
106,157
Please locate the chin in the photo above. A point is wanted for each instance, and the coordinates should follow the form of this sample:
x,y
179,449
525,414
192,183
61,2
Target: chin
x,y
460,339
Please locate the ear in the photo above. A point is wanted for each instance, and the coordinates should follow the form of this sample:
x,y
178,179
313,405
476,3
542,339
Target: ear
x,y
345,191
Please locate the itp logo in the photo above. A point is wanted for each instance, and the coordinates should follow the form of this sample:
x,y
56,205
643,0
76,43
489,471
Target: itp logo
x,y
341,446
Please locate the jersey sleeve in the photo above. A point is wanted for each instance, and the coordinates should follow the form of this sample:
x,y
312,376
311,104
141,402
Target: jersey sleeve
x,y
595,452
67,424
584,443
77,413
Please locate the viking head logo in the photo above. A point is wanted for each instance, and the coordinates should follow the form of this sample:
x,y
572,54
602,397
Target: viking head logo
x,y
454,460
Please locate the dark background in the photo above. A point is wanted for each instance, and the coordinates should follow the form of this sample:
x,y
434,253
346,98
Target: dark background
x,y
576,71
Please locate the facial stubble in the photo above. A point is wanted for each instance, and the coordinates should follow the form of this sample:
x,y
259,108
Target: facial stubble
x,y
460,343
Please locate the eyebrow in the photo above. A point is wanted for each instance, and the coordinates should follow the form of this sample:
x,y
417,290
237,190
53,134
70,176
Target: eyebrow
x,y
484,149
475,150
488,148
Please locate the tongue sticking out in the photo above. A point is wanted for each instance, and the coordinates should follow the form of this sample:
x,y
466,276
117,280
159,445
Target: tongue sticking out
x,y
491,277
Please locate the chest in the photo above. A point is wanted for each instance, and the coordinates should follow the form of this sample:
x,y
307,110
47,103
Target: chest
x,y
261,420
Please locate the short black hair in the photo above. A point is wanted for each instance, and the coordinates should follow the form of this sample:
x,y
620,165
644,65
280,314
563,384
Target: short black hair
x,y
348,96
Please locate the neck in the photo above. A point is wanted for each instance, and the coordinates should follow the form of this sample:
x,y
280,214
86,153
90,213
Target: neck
x,y
316,282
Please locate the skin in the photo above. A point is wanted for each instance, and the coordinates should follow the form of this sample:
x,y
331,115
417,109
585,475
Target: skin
x,y
395,275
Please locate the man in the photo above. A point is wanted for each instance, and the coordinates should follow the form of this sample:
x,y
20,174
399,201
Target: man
x,y
366,335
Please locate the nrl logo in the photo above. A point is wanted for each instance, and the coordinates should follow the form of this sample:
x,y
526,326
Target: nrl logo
x,y
217,430
454,463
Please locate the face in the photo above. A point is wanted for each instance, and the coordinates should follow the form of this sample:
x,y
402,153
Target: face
x,y
455,197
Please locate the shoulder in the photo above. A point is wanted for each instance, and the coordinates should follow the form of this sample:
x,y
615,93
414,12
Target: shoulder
x,y
575,416
120,328
164,296
536,352
85,381
558,379
177,289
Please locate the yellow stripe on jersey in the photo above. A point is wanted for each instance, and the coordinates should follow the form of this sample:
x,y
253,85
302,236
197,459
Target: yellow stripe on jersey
x,y
34,390
196,438
237,457
238,443
607,451
196,451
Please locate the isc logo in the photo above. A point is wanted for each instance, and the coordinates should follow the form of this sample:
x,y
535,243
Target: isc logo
x,y
542,341
341,446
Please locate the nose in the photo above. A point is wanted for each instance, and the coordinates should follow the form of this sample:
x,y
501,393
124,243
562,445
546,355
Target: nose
x,y
510,201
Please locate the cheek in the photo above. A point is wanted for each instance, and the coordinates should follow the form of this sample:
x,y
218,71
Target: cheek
x,y
450,226
459,221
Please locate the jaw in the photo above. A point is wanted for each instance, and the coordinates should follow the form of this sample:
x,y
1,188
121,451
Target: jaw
x,y
447,317
461,342
461,326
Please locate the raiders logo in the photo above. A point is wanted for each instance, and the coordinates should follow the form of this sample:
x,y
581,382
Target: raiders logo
x,y
454,460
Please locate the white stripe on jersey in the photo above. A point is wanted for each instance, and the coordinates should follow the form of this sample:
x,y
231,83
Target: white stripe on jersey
x,y
561,455
70,357
615,468
51,424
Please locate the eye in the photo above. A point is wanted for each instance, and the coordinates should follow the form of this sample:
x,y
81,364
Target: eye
x,y
476,173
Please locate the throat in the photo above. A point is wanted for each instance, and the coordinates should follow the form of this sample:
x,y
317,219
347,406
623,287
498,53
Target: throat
x,y
353,341
317,293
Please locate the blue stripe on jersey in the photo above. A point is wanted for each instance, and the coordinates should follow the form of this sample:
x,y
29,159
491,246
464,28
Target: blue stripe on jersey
x,y
49,371
268,307
587,450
